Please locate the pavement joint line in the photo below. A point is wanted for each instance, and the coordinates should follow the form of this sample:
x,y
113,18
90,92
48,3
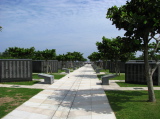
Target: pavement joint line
x,y
75,96
62,100
65,97
91,98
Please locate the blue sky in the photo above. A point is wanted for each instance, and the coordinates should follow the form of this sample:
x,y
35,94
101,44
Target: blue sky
x,y
64,25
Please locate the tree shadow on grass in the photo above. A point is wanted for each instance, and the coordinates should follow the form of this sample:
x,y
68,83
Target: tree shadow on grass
x,y
100,76
118,98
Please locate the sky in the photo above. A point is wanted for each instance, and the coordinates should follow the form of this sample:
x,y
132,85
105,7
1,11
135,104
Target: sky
x,y
64,25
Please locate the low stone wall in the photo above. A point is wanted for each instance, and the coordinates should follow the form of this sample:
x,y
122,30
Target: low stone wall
x,y
134,73
15,70
69,64
40,66
121,66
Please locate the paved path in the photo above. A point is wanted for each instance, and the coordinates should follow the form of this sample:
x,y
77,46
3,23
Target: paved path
x,y
78,95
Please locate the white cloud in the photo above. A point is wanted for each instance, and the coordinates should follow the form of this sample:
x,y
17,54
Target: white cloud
x,y
62,24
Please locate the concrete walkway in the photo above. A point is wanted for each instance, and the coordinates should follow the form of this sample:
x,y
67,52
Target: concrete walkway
x,y
78,95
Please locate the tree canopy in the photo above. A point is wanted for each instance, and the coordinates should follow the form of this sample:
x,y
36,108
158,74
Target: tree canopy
x,y
20,53
140,20
48,54
0,28
114,49
30,53
95,56
71,56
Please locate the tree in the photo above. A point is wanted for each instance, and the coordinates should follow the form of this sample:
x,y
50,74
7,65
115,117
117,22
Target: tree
x,y
30,53
72,57
78,56
38,55
152,53
47,55
133,56
20,53
61,58
95,56
140,20
0,28
114,49
4,55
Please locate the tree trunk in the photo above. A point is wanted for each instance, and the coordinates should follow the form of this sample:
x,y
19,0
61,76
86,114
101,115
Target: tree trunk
x,y
116,67
101,64
47,67
148,74
62,64
104,64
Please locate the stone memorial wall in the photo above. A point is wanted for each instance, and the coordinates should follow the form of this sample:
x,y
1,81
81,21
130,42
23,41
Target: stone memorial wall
x,y
121,66
134,73
40,66
15,70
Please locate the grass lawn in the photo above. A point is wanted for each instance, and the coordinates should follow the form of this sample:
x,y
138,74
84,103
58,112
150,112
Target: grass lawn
x,y
21,83
123,84
10,98
60,71
105,70
34,76
121,77
134,105
56,76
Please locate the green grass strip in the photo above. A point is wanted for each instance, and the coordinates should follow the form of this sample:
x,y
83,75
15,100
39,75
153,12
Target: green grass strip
x,y
56,76
21,83
121,77
133,104
123,84
10,98
34,76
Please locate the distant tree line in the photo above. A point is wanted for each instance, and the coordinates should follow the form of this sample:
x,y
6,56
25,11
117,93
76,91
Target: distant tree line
x,y
28,53
71,56
48,54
